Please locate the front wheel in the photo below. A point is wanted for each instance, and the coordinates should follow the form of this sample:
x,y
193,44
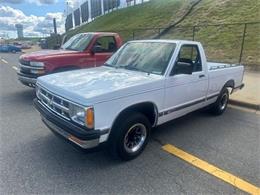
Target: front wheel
x,y
220,105
130,136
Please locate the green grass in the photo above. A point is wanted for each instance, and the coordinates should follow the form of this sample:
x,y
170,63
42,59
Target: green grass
x,y
222,43
155,14
224,11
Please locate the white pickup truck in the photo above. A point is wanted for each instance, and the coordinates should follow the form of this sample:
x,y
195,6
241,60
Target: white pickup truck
x,y
144,84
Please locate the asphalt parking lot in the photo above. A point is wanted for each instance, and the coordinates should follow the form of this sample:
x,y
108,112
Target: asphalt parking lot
x,y
33,160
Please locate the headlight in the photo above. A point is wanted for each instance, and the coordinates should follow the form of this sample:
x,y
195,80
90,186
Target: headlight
x,y
37,64
82,116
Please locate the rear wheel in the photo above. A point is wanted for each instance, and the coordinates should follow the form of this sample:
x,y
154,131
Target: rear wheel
x,y
130,136
220,105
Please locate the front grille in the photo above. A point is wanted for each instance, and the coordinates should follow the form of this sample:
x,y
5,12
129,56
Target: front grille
x,y
26,68
23,69
24,62
55,103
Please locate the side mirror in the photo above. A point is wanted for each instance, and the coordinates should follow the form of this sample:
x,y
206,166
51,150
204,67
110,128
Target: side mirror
x,y
182,68
96,49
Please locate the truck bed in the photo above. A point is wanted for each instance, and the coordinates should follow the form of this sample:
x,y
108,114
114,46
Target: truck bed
x,y
215,66
219,73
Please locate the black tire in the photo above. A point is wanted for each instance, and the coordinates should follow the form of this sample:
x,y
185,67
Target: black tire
x,y
13,51
130,129
220,105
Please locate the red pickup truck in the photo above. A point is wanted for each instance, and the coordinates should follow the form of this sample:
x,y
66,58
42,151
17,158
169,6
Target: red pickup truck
x,y
83,50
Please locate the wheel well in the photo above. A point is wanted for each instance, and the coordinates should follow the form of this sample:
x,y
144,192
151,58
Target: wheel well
x,y
147,108
230,83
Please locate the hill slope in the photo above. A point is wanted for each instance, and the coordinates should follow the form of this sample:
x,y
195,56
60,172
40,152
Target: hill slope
x,y
152,14
221,42
224,41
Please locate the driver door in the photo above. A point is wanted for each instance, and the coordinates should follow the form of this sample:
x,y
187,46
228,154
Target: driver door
x,y
186,87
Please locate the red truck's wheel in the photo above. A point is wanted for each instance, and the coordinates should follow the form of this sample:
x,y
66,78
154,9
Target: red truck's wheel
x,y
130,136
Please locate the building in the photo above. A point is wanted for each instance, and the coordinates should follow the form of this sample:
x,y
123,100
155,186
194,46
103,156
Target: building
x,y
19,28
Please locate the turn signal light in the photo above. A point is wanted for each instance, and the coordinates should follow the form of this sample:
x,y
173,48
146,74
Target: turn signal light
x,y
89,118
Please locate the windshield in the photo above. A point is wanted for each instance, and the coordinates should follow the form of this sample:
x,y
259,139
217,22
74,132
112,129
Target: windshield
x,y
78,42
150,57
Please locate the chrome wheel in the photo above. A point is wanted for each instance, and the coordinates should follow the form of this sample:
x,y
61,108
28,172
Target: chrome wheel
x,y
223,101
135,138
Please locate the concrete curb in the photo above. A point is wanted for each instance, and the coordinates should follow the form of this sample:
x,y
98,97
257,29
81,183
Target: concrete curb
x,y
244,104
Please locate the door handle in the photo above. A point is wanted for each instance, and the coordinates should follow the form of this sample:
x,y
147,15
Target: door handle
x,y
201,76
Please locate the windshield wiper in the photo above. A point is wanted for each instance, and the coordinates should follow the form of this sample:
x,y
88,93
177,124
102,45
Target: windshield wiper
x,y
69,48
110,65
129,67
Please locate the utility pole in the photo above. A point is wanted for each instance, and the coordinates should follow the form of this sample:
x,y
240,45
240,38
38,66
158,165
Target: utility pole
x,y
89,10
102,7
67,7
54,25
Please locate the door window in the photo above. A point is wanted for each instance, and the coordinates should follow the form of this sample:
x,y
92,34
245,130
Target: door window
x,y
106,44
189,60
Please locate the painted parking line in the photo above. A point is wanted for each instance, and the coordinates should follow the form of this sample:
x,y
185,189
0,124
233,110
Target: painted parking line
x,y
3,60
15,68
213,170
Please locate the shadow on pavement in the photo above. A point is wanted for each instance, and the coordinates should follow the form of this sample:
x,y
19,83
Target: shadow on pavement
x,y
49,153
177,124
21,97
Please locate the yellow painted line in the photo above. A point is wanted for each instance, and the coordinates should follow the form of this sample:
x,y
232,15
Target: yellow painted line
x,y
213,170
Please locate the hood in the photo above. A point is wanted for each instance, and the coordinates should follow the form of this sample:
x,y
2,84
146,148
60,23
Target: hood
x,y
45,54
98,84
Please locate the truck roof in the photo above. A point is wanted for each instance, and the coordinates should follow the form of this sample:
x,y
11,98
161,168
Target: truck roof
x,y
177,41
99,33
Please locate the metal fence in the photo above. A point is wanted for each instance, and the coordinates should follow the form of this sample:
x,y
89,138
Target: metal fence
x,y
227,43
89,10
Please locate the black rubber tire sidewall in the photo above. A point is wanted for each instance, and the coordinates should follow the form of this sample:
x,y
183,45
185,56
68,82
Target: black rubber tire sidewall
x,y
216,109
118,133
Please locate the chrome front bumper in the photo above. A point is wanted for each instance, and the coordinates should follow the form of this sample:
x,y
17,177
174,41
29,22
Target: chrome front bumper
x,y
27,80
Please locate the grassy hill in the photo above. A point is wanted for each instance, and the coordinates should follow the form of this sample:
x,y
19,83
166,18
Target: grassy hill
x,y
225,41
155,13
221,42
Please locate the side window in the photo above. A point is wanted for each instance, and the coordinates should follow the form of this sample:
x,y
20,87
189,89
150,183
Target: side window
x,y
106,44
188,61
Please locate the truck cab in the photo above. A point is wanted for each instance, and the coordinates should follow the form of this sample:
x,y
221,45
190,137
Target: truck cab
x,y
83,50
